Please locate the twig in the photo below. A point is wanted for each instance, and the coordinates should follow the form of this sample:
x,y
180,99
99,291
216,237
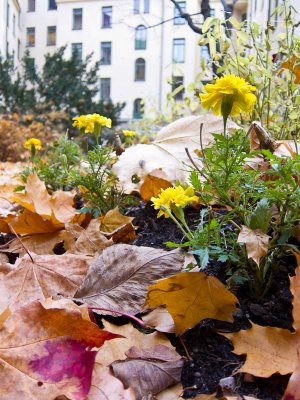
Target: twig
x,y
18,237
194,164
139,321
188,356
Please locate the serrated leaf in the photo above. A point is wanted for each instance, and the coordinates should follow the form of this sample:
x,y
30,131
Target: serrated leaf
x,y
191,297
260,218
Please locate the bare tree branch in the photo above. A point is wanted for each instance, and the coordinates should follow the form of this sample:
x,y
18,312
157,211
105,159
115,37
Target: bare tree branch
x,y
187,17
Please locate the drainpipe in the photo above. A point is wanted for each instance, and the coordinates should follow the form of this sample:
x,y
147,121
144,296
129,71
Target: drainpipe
x,y
161,61
269,10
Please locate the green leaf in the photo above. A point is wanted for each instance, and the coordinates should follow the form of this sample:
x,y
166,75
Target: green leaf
x,y
203,255
235,23
261,216
207,24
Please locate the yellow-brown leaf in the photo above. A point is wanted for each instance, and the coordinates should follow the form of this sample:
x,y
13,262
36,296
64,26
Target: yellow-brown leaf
x,y
256,241
191,297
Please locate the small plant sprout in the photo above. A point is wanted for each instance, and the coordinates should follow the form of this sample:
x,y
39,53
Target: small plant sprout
x,y
171,203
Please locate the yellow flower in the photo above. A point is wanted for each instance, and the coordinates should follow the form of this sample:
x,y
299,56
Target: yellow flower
x,y
128,133
36,143
173,197
229,95
90,123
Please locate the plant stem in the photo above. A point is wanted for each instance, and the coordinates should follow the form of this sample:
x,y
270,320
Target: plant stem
x,y
139,321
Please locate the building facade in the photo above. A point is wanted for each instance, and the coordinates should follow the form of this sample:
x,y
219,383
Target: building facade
x,y
144,47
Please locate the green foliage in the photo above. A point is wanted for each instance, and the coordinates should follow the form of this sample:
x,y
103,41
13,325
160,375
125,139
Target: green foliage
x,y
98,183
57,165
257,54
267,201
68,84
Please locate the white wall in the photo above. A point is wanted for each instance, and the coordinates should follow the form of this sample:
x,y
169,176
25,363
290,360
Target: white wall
x,y
10,31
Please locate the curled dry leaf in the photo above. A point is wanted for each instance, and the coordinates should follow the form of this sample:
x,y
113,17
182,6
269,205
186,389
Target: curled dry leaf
x,y
43,213
149,371
191,297
118,227
160,319
256,241
167,152
118,279
48,276
153,183
89,241
46,352
171,393
105,386
116,349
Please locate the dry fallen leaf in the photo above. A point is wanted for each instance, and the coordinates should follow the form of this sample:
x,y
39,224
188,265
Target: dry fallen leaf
x,y
46,352
271,350
149,371
295,290
105,386
48,276
292,391
191,297
119,277
116,349
43,213
160,319
256,241
167,152
118,227
89,241
38,244
171,393
153,184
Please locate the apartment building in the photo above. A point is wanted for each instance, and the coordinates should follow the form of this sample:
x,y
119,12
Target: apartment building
x,y
10,29
144,47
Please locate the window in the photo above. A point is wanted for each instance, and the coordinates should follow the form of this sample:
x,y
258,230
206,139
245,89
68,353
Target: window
x,y
31,5
146,6
177,81
136,7
14,25
178,50
51,36
77,50
77,19
30,37
140,69
178,20
105,53
52,5
212,12
105,89
140,37
106,17
138,109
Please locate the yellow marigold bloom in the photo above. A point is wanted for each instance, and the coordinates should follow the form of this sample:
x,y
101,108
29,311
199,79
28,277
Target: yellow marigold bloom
x,y
229,95
128,133
89,122
173,196
36,143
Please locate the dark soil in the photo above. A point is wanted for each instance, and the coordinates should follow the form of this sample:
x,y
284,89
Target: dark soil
x,y
211,353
